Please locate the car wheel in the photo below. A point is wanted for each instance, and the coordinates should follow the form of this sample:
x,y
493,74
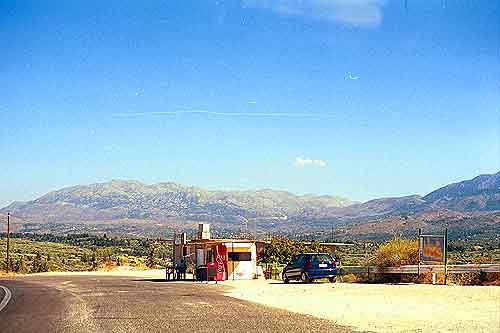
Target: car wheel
x,y
332,279
285,279
304,278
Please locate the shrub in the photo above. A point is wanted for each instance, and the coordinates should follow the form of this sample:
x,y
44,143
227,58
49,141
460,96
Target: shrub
x,y
150,259
39,264
281,250
397,252
349,278
109,265
426,278
19,265
465,279
475,279
492,279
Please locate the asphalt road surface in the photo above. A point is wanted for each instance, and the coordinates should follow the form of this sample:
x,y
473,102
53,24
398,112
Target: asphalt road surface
x,y
95,303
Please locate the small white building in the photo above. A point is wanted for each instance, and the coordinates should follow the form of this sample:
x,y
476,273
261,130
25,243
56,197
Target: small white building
x,y
234,259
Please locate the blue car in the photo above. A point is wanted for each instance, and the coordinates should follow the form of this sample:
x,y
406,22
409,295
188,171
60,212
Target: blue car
x,y
307,267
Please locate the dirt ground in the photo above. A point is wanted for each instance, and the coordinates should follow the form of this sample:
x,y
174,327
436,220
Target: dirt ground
x,y
117,271
382,308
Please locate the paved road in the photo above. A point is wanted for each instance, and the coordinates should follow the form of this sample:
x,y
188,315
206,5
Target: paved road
x,y
123,304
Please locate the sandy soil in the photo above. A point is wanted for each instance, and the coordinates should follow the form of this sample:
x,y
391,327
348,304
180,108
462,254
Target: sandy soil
x,y
383,308
117,271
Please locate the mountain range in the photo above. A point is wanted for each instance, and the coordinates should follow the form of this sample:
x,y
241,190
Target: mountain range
x,y
131,207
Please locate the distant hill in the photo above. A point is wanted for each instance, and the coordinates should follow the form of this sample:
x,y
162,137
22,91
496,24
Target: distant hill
x,y
479,194
384,206
121,199
131,207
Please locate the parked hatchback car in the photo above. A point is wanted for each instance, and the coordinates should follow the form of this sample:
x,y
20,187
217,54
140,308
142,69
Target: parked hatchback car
x,y
307,267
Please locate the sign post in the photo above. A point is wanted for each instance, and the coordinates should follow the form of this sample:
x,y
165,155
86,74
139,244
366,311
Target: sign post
x,y
433,248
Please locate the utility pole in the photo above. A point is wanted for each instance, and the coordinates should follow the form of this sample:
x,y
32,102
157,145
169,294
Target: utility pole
x,y
8,240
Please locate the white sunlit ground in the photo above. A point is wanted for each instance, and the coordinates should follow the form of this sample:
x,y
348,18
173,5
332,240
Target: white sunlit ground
x,y
382,308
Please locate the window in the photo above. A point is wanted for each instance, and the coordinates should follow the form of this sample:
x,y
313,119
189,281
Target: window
x,y
209,255
321,258
239,256
301,260
298,260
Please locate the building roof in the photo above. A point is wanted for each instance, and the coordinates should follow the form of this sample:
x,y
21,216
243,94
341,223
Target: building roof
x,y
224,240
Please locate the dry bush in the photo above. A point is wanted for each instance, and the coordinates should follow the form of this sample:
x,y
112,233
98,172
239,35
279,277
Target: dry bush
x,y
475,279
426,278
465,279
397,252
408,278
108,265
492,279
350,278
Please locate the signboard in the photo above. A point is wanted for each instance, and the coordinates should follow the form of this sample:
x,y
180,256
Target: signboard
x,y
180,238
220,259
432,248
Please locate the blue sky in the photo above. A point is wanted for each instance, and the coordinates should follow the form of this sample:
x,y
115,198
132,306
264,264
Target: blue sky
x,y
362,99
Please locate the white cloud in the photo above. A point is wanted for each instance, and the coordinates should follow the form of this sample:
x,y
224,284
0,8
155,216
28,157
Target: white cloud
x,y
302,162
367,13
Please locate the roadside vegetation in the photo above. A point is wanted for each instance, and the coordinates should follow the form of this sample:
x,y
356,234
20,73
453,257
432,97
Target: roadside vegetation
x,y
281,250
32,253
470,251
397,252
392,253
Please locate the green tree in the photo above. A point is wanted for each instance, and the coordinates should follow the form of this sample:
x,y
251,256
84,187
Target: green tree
x,y
94,260
21,266
150,259
281,250
39,264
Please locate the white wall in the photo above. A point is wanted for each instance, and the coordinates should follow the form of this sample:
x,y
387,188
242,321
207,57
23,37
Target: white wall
x,y
242,270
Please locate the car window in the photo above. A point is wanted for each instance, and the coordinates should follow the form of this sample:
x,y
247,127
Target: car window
x,y
321,258
301,259
293,261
